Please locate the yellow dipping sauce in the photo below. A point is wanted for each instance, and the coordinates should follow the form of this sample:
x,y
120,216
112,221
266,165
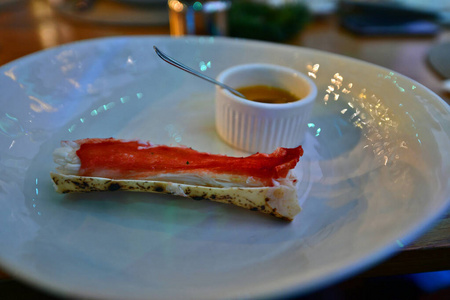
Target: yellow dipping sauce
x,y
267,94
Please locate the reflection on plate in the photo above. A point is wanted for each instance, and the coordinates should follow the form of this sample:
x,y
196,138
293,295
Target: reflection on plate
x,y
374,175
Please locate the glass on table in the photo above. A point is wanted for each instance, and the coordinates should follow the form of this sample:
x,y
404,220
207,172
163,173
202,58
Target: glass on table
x,y
187,17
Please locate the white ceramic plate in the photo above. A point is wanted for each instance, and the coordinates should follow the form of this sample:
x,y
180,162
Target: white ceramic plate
x,y
375,173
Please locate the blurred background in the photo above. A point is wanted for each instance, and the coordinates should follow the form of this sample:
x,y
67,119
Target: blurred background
x,y
411,37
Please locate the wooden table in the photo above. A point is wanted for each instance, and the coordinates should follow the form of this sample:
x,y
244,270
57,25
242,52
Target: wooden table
x,y
30,26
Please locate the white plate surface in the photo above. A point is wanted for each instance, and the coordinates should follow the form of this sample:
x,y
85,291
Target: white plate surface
x,y
375,173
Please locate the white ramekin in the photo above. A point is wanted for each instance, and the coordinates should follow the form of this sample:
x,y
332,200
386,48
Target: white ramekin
x,y
262,127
